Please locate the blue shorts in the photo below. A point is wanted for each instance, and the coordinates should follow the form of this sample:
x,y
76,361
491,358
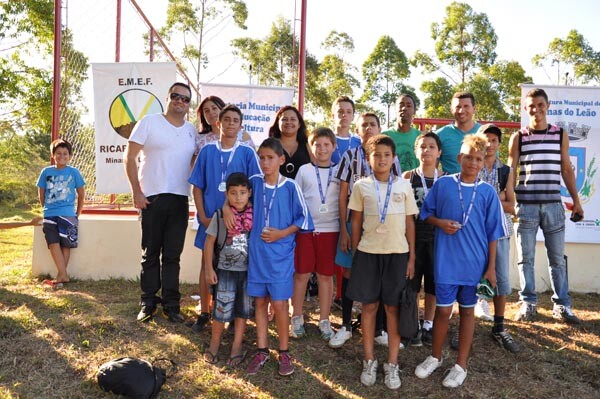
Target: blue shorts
x,y
344,259
277,291
62,230
447,294
231,297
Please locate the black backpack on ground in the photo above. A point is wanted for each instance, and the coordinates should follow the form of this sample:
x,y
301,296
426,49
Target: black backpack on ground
x,y
132,378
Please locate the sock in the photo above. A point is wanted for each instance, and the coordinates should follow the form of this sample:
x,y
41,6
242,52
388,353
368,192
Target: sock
x,y
264,350
427,325
498,324
283,351
346,305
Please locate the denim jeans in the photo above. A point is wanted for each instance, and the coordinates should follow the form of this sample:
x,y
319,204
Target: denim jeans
x,y
551,219
503,266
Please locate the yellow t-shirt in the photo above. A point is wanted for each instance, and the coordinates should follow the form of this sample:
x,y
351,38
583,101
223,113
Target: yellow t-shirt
x,y
402,203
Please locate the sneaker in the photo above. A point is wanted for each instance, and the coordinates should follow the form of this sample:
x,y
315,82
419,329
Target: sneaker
x,y
173,316
455,377
482,310
506,341
286,367
417,340
392,377
258,361
565,314
298,327
369,373
428,366
455,341
527,312
326,330
382,339
146,313
427,337
340,337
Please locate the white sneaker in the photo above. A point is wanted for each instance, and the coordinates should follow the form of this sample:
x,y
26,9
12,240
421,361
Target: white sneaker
x,y
369,373
392,378
297,327
455,377
428,366
340,337
383,340
326,330
482,310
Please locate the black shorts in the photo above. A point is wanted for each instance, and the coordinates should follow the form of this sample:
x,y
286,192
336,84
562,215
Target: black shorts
x,y
62,230
376,276
424,266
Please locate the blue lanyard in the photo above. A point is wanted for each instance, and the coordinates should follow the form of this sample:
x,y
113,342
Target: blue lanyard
x,y
267,208
223,165
321,193
383,212
462,202
424,183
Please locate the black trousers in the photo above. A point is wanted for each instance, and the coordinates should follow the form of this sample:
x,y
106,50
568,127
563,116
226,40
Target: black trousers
x,y
164,224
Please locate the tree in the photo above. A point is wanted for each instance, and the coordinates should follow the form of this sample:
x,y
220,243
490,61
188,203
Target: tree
x,y
384,71
437,98
506,77
576,52
196,25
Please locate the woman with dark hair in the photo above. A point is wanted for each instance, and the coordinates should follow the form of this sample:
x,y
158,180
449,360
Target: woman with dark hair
x,y
290,129
208,116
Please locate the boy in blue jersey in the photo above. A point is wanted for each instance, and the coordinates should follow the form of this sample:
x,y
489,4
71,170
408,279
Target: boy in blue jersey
x,y
343,111
214,164
468,218
58,188
279,212
383,242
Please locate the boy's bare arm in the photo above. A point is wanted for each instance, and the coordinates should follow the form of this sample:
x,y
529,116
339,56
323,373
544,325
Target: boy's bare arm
x,y
80,200
447,225
490,273
567,174
508,201
207,259
356,221
271,234
199,202
345,244
410,237
131,169
513,155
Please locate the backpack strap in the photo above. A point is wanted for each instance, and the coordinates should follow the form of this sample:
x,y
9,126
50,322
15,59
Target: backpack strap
x,y
221,230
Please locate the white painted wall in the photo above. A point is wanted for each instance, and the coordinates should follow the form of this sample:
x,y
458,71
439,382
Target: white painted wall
x,y
109,246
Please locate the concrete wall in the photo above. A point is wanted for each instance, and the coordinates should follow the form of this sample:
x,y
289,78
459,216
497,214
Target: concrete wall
x,y
109,246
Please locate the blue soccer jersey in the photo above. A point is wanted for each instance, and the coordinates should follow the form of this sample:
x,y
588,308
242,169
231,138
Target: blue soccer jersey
x,y
344,144
211,169
274,262
462,258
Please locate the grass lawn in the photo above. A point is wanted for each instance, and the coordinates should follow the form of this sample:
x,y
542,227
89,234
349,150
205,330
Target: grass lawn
x,y
52,342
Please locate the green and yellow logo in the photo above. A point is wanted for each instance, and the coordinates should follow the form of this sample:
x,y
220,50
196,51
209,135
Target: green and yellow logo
x,y
129,107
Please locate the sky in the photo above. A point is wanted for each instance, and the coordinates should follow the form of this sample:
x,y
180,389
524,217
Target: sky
x,y
524,28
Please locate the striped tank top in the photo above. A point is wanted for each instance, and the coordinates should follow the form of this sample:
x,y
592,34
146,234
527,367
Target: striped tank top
x,y
540,165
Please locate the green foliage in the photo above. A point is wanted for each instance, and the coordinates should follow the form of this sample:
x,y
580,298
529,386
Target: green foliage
x,y
574,50
437,98
464,40
192,22
384,71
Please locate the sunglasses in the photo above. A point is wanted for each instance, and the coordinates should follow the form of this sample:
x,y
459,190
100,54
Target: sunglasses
x,y
180,97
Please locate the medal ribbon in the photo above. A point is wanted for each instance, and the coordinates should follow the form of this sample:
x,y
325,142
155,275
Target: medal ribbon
x,y
423,182
462,202
321,193
267,208
383,212
223,166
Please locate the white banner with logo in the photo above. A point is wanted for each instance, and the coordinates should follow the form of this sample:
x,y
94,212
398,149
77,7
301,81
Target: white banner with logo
x,y
577,110
123,94
259,104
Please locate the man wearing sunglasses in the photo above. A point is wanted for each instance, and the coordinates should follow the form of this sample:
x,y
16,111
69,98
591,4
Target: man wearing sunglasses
x,y
165,145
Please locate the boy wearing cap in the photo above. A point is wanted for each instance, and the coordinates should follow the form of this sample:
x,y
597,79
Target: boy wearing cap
x,y
501,178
